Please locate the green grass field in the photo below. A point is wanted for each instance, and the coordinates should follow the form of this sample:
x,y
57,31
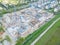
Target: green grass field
x,y
35,34
51,37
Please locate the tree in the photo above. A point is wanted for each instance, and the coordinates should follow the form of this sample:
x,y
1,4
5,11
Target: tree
x,y
20,41
8,38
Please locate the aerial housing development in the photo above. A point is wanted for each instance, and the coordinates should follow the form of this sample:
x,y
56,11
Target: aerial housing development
x,y
18,25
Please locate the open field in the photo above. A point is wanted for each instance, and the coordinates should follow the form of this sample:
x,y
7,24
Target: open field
x,y
51,37
35,34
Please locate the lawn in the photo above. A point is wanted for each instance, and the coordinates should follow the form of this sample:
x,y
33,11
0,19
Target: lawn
x,y
51,37
34,35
